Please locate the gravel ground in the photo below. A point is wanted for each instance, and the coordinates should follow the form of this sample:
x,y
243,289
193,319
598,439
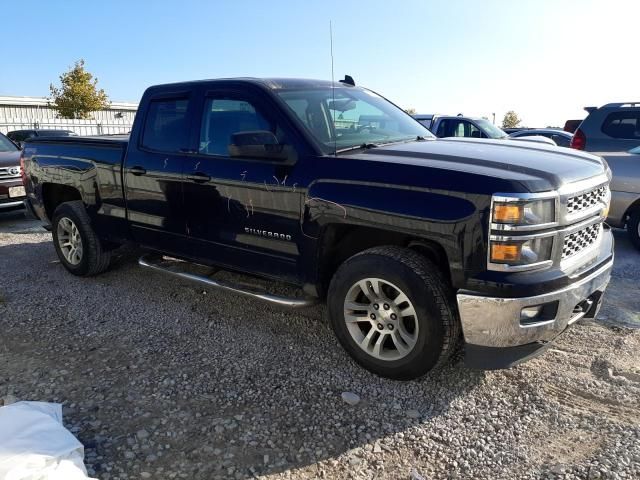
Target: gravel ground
x,y
162,379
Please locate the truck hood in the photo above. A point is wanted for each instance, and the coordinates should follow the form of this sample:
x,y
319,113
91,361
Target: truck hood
x,y
539,167
9,159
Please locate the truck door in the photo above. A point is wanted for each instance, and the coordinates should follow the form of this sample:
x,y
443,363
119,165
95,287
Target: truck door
x,y
243,211
153,171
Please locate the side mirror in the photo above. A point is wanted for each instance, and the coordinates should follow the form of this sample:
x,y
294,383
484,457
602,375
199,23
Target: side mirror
x,y
259,144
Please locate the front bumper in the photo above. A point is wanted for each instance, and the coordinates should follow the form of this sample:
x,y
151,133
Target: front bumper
x,y
496,336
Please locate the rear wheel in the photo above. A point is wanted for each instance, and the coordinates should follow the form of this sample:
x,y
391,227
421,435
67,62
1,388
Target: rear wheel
x,y
393,312
77,245
633,228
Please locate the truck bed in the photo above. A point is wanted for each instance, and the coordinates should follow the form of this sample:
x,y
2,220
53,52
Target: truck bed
x,y
90,166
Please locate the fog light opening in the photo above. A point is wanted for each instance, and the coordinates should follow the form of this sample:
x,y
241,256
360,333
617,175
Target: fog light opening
x,y
530,313
534,315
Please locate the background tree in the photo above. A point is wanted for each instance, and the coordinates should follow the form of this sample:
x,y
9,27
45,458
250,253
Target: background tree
x,y
511,120
78,94
410,111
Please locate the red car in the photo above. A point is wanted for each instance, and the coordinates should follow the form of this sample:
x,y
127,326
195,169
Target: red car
x,y
11,189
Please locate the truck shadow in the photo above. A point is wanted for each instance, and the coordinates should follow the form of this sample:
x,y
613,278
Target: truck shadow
x,y
228,386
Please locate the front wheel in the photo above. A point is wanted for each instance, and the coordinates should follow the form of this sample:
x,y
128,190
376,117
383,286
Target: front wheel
x,y
633,228
77,245
393,312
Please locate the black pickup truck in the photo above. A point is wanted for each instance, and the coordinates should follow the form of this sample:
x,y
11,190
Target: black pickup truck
x,y
417,244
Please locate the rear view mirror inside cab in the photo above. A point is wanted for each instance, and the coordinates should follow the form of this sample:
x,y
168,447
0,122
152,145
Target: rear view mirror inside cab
x,y
260,144
342,105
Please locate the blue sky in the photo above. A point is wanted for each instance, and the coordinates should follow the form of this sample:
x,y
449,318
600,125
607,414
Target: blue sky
x,y
544,59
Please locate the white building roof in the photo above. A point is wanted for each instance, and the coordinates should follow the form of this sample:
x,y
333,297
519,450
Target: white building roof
x,y
43,102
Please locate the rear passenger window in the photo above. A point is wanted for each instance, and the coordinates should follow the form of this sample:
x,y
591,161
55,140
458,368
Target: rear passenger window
x,y
166,128
622,125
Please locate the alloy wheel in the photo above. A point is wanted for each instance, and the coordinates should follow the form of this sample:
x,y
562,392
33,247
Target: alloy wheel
x,y
69,240
381,319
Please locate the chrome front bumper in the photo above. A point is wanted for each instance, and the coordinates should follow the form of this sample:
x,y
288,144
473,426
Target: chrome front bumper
x,y
496,322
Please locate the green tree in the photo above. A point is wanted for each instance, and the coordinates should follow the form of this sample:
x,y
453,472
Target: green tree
x,y
410,111
511,120
78,94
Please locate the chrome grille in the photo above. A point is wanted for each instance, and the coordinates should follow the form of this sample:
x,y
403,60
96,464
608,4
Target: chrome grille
x,y
9,172
578,241
587,200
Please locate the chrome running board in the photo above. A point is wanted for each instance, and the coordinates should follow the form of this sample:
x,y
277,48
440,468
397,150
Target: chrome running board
x,y
169,265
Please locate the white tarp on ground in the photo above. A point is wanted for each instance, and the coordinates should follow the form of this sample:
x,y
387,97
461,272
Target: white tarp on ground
x,y
35,446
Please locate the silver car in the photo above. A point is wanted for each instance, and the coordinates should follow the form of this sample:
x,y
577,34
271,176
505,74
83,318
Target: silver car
x,y
625,192
614,127
613,132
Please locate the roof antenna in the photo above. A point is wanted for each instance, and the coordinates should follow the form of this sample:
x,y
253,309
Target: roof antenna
x,y
348,80
333,94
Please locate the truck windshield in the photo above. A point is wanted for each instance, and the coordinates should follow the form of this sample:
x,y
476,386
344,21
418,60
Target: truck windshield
x,y
6,145
349,117
490,129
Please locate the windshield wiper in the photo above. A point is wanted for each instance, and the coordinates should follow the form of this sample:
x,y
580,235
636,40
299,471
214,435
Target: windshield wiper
x,y
363,146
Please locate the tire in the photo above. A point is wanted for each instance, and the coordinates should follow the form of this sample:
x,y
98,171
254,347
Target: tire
x,y
431,335
633,227
90,258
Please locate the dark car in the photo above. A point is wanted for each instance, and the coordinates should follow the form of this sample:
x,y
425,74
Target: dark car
x,y
571,125
20,136
11,190
511,130
416,243
562,138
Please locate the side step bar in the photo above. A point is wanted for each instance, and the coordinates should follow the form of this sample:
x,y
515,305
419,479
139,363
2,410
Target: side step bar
x,y
159,264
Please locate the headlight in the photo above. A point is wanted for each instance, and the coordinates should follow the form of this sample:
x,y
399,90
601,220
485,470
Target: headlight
x,y
520,212
521,253
511,246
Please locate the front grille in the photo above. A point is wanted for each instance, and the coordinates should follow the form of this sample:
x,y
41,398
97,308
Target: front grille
x,y
9,172
582,239
587,200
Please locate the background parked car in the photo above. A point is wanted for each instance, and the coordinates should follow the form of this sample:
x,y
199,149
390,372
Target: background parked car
x,y
424,119
509,131
625,192
614,127
459,126
20,136
571,125
560,137
11,189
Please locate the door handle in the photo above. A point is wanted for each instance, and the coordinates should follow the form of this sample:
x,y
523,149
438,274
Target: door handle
x,y
137,171
199,177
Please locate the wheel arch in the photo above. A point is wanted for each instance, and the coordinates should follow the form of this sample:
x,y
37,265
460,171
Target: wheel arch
x,y
339,242
635,206
54,194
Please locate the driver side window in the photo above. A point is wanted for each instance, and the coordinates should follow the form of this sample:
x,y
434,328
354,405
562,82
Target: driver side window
x,y
223,117
474,131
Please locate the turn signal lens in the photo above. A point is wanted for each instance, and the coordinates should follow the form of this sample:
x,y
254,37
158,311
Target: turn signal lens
x,y
505,252
521,211
508,213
